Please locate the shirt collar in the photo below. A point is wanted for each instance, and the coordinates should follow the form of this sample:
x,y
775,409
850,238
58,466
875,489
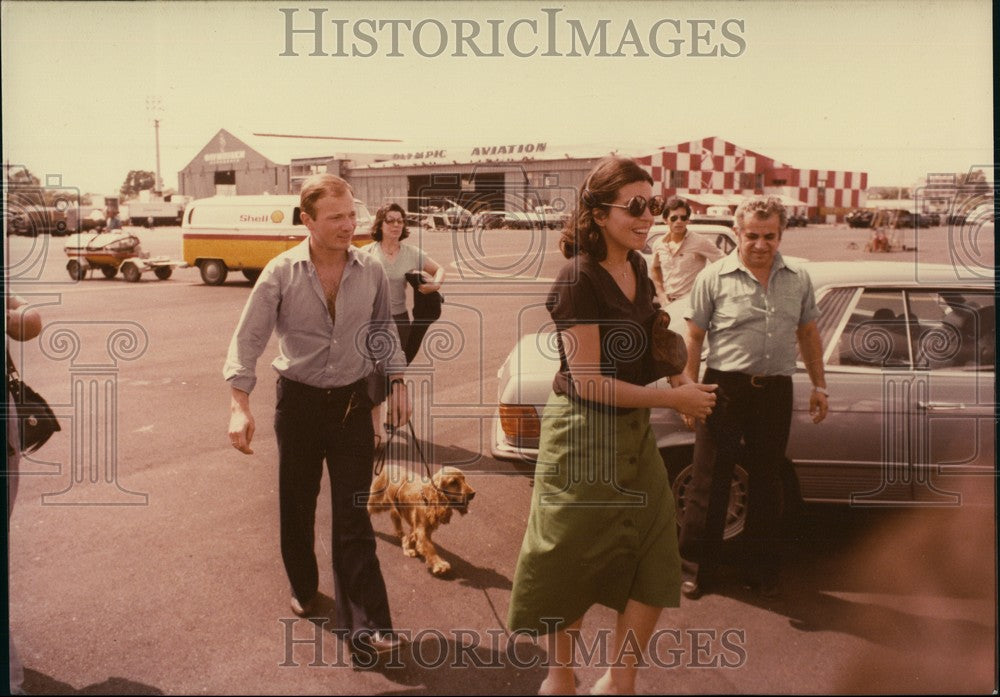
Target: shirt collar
x,y
300,252
732,262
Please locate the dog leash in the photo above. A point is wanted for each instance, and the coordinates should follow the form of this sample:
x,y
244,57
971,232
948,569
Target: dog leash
x,y
382,455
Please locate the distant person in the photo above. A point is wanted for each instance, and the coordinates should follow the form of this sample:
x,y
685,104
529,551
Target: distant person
x,y
113,221
23,324
679,256
754,307
398,258
602,528
329,303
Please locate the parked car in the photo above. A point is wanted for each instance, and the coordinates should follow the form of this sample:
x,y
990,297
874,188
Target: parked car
x,y
860,217
797,220
714,215
909,355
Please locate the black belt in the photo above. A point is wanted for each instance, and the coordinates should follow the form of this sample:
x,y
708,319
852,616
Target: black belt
x,y
754,380
334,394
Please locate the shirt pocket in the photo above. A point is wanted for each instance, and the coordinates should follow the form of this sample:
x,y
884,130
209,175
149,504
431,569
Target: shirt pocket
x,y
732,312
788,304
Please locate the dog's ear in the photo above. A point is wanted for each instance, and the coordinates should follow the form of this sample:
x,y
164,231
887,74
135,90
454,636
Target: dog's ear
x,y
438,511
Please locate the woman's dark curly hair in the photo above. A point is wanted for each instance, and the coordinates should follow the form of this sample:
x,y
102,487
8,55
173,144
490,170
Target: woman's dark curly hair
x,y
582,233
380,218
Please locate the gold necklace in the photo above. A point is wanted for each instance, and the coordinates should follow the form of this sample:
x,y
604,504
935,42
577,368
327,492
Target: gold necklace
x,y
624,271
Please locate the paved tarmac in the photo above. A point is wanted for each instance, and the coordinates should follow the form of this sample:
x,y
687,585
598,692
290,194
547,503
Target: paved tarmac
x,y
178,587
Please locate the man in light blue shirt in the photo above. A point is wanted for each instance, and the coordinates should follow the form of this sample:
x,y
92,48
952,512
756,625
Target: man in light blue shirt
x,y
329,304
755,308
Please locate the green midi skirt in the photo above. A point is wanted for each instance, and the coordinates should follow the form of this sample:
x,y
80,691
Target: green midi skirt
x,y
602,527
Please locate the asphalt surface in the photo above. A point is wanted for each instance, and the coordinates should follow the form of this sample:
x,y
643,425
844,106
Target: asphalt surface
x,y
143,548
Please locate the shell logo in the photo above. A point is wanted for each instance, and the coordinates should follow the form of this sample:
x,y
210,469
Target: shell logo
x,y
277,217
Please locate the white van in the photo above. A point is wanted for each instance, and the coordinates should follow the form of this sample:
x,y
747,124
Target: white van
x,y
229,233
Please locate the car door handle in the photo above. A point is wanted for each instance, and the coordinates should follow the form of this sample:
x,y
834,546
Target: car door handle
x,y
941,406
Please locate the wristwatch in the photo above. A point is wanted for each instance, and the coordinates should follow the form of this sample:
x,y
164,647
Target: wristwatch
x,y
821,390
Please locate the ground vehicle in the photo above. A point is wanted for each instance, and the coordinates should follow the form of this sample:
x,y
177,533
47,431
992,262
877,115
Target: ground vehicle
x,y
226,233
795,220
168,210
860,217
112,252
909,358
715,215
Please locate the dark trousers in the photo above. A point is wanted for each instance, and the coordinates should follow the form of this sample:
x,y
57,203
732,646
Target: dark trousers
x,y
749,426
314,424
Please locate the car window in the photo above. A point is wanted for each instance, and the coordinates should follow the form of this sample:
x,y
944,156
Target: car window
x,y
875,334
724,243
952,330
897,328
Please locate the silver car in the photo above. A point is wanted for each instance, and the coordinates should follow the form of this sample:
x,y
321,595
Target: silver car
x,y
909,353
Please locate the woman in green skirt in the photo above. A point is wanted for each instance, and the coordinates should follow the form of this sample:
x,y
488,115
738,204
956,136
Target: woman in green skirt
x,y
602,527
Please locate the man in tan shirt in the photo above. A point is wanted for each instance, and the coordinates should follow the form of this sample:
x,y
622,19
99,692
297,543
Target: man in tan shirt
x,y
678,256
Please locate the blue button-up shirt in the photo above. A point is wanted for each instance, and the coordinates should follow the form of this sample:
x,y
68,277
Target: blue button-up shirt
x,y
312,348
751,330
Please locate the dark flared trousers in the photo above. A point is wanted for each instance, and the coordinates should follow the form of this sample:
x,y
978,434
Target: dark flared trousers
x,y
757,413
313,425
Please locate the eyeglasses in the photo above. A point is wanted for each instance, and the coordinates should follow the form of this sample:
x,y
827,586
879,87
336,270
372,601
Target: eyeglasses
x,y
394,221
637,204
675,218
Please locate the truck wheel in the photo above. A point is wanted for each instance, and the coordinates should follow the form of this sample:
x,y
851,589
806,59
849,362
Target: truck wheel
x,y
109,271
131,272
213,272
163,272
252,274
76,270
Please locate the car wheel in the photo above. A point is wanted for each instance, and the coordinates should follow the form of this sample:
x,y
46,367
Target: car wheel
x,y
76,270
736,514
131,272
679,466
252,274
109,271
163,272
213,272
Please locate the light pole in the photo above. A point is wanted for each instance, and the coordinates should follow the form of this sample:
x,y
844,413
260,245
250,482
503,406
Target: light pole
x,y
155,106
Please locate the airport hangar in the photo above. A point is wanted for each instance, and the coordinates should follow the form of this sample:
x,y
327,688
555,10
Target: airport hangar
x,y
508,176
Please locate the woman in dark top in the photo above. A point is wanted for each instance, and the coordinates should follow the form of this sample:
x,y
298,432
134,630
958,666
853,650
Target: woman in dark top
x,y
602,526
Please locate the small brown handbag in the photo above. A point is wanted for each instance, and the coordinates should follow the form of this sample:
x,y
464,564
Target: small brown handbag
x,y
669,351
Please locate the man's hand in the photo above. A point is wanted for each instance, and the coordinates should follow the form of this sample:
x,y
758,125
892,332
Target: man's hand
x,y
817,406
241,423
398,407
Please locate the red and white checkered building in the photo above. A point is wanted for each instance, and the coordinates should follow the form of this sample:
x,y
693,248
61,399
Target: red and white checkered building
x,y
713,170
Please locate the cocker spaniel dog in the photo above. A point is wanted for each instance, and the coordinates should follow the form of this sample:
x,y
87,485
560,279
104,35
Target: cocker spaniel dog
x,y
424,505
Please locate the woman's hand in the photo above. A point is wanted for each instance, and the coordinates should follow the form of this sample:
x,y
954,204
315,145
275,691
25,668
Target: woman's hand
x,y
426,288
694,399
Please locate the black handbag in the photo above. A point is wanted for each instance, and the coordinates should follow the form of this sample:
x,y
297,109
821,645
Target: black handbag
x,y
426,306
35,419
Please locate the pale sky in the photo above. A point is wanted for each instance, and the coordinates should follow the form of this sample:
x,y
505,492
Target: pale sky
x,y
897,89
